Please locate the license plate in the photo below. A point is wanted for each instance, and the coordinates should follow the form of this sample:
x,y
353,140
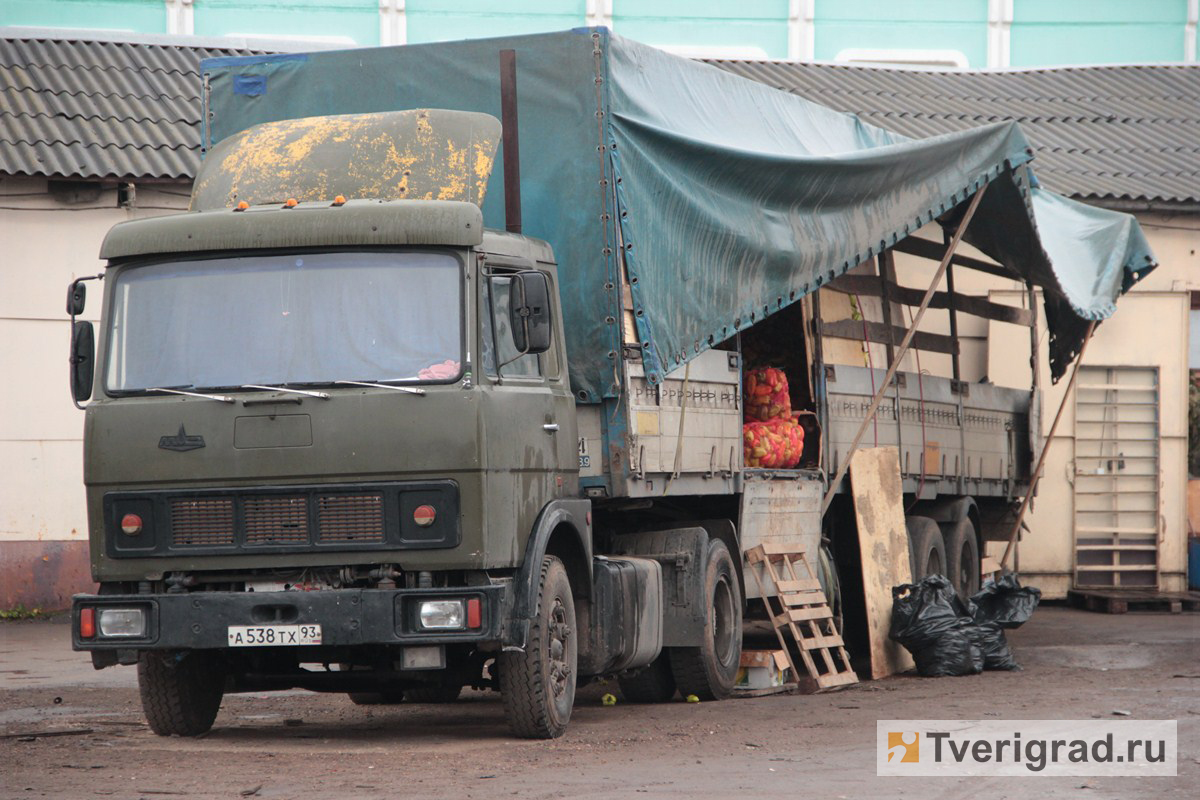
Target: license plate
x,y
273,635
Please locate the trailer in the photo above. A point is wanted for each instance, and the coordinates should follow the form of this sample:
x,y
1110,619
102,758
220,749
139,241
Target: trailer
x,y
364,425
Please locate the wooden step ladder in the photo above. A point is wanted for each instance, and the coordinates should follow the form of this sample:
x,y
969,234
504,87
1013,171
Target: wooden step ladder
x,y
797,604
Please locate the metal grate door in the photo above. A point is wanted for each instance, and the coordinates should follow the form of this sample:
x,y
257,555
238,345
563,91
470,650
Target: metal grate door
x,y
1116,477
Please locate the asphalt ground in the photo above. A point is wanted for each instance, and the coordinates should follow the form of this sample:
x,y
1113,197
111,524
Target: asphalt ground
x,y
1077,665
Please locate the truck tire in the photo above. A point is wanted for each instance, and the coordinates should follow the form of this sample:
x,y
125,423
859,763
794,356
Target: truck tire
x,y
181,691
433,694
376,698
962,556
538,684
831,584
926,549
708,671
654,683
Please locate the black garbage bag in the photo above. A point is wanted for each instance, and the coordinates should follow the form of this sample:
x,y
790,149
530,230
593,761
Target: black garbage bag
x,y
932,622
1005,602
999,605
989,638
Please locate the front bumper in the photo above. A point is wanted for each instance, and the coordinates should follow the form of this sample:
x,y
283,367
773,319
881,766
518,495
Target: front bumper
x,y
348,617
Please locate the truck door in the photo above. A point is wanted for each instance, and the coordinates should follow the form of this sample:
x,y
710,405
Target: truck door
x,y
528,420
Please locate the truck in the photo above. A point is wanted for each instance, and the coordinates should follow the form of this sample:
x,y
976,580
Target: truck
x,y
363,426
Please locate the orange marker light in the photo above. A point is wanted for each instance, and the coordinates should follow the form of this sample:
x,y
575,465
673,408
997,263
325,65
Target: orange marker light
x,y
291,203
242,206
87,623
474,613
340,200
424,515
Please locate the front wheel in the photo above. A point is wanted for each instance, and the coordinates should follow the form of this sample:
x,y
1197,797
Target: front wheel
x,y
708,671
538,684
181,691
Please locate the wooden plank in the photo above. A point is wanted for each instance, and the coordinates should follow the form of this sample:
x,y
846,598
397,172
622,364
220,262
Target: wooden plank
x,y
838,679
1121,601
868,286
916,246
803,601
853,329
802,614
802,585
883,546
820,642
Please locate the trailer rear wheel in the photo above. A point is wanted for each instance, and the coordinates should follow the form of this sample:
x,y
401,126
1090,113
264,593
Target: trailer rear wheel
x,y
181,691
831,585
538,684
655,683
927,550
708,671
962,556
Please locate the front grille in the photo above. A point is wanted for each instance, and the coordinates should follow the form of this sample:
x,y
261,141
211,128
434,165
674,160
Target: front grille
x,y
276,519
350,518
206,522
284,519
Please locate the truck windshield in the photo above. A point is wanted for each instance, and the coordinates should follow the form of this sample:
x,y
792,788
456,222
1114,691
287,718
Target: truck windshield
x,y
286,319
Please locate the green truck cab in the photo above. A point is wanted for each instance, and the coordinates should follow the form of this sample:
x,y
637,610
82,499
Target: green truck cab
x,y
338,433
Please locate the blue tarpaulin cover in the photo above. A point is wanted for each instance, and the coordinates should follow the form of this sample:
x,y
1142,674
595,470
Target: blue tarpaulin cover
x,y
728,199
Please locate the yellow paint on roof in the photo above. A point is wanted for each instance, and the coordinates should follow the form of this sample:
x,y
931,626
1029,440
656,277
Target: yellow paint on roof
x,y
417,154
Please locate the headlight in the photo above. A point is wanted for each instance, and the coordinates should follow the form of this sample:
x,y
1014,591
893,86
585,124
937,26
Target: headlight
x,y
122,622
442,615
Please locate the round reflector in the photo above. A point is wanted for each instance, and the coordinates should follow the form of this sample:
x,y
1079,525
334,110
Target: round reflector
x,y
131,524
424,516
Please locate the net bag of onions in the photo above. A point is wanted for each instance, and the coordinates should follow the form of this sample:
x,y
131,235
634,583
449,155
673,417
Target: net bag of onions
x,y
775,444
767,395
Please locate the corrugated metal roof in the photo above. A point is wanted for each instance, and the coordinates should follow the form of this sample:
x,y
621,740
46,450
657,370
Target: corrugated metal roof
x,y
81,109
75,108
1103,134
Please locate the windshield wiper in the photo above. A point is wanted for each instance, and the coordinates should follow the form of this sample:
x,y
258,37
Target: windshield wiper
x,y
219,397
407,389
305,392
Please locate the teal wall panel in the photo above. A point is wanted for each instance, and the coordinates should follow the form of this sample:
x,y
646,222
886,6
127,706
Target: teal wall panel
x,y
1043,32
357,20
442,20
709,24
902,25
140,16
1097,31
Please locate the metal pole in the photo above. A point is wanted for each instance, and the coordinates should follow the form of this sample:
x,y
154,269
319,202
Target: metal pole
x,y
1037,471
902,348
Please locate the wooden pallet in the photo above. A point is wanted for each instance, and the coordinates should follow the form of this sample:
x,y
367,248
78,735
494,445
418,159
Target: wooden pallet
x,y
1120,601
796,604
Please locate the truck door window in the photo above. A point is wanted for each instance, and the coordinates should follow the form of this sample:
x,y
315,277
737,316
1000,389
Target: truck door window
x,y
498,345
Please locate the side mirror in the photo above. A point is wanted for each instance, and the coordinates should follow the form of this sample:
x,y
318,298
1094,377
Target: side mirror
x,y
530,312
76,298
83,364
